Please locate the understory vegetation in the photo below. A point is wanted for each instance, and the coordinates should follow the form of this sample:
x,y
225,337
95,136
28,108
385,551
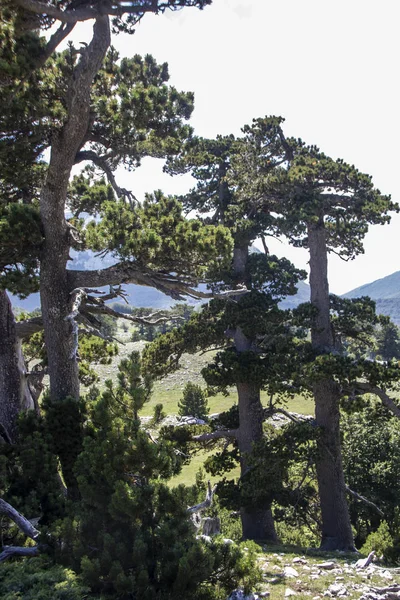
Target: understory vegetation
x,y
179,454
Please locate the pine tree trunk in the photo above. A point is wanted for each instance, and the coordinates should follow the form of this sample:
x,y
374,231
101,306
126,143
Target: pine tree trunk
x,y
257,523
336,526
14,390
55,294
54,291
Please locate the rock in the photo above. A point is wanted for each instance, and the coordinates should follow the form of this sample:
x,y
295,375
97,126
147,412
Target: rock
x,y
337,590
299,561
327,565
264,594
290,572
240,595
386,575
289,592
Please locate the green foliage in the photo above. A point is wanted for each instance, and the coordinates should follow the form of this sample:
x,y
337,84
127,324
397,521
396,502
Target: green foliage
x,y
158,414
158,236
64,422
371,458
381,541
388,341
38,579
93,349
194,401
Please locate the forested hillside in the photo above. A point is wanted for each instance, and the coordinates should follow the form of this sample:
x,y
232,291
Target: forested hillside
x,y
97,429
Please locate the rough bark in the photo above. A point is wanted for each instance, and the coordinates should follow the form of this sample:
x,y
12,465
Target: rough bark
x,y
336,526
54,287
257,523
15,395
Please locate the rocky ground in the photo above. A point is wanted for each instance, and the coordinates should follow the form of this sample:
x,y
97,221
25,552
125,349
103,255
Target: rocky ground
x,y
313,578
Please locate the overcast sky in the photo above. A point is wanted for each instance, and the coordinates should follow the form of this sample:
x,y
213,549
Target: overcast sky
x,y
330,67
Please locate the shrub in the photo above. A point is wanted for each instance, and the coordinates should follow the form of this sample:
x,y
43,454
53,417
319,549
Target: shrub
x,y
37,579
381,541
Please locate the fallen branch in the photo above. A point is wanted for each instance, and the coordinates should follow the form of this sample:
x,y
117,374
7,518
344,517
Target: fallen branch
x,y
24,525
9,551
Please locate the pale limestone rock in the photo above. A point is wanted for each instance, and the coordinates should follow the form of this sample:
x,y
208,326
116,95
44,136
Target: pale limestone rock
x,y
290,572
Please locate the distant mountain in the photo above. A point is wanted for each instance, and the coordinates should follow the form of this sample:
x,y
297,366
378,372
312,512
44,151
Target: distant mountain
x,y
385,292
303,295
385,288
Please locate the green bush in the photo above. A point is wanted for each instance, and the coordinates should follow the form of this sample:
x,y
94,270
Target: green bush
x,y
381,541
38,579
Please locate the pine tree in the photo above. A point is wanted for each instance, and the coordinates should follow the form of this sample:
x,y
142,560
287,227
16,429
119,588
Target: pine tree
x,y
326,206
252,326
85,104
194,402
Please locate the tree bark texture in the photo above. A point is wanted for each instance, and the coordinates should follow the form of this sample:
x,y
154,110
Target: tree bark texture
x,y
336,526
257,523
15,395
54,288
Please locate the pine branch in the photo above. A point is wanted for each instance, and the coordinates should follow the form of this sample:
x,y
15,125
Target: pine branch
x,y
129,272
367,388
102,163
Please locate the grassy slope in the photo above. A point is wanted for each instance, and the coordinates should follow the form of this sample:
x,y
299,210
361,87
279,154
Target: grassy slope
x,y
169,392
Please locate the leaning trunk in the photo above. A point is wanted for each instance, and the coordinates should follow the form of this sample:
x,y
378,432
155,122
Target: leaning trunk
x,y
15,396
257,522
336,527
54,292
60,329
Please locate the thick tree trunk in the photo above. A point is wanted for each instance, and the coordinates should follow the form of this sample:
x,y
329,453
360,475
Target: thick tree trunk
x,y
336,526
55,293
257,523
54,290
14,390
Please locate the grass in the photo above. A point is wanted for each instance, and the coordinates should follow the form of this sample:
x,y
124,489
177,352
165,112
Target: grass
x,y
168,392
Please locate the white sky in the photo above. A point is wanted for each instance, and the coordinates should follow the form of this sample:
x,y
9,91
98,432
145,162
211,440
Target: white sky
x,y
330,67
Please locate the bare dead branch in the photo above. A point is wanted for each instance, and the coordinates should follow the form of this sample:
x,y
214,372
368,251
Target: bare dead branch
x,y
9,551
78,296
365,500
24,525
130,272
206,503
